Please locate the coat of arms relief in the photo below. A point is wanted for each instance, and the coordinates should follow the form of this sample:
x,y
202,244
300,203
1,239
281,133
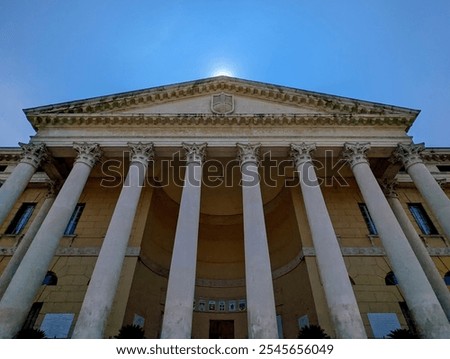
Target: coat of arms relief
x,y
222,103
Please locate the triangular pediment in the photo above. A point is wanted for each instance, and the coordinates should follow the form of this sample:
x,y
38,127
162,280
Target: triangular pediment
x,y
247,97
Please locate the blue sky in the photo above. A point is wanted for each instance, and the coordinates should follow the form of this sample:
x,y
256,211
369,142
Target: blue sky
x,y
390,51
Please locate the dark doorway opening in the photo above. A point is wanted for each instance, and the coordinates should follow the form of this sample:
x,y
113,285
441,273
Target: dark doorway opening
x,y
221,329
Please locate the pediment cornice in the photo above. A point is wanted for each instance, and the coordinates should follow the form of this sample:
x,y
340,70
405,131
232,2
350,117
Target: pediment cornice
x,y
273,93
66,120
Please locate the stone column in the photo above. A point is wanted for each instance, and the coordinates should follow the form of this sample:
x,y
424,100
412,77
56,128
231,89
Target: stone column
x,y
427,312
177,321
430,190
435,279
102,288
261,316
26,240
19,296
31,157
338,290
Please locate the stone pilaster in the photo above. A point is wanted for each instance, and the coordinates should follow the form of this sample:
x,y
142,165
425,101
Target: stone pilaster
x,y
102,288
26,240
338,290
420,297
31,157
19,296
261,314
437,200
418,247
177,321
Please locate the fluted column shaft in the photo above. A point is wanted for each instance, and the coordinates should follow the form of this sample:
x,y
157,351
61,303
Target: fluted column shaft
x,y
102,287
177,321
261,315
19,296
430,190
422,302
15,184
435,279
338,290
25,243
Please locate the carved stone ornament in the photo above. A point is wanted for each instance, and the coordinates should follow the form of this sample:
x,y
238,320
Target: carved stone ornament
x,y
33,153
88,153
248,152
222,103
141,152
355,153
195,152
389,187
301,153
409,154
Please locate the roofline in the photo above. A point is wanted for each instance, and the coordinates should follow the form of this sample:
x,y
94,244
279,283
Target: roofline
x,y
110,97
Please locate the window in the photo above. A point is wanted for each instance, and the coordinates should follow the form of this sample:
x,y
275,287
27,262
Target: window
x,y
383,323
368,219
21,218
72,225
447,278
50,278
390,279
422,219
3,168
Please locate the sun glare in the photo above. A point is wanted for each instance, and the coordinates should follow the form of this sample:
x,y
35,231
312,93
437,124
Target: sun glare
x,y
222,71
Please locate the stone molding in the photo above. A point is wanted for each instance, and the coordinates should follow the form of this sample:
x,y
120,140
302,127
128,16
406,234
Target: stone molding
x,y
301,153
62,120
141,152
33,153
88,153
355,153
195,152
75,252
258,90
409,154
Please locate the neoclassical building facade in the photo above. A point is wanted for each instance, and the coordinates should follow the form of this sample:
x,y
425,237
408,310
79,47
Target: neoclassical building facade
x,y
224,208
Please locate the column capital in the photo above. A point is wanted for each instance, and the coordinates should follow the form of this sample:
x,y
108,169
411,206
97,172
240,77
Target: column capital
x,y
141,152
389,188
248,152
409,154
53,188
195,152
33,153
88,153
301,153
355,152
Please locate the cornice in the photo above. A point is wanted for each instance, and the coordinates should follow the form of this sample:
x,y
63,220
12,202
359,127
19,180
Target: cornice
x,y
264,91
431,156
67,120
9,154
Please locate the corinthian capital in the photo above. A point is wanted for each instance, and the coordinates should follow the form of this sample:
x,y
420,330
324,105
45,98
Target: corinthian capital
x,y
355,153
248,152
195,152
141,152
33,153
409,154
389,188
301,153
88,153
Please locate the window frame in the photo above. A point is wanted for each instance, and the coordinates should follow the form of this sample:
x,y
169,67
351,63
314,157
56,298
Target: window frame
x,y
422,219
370,224
74,219
21,218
